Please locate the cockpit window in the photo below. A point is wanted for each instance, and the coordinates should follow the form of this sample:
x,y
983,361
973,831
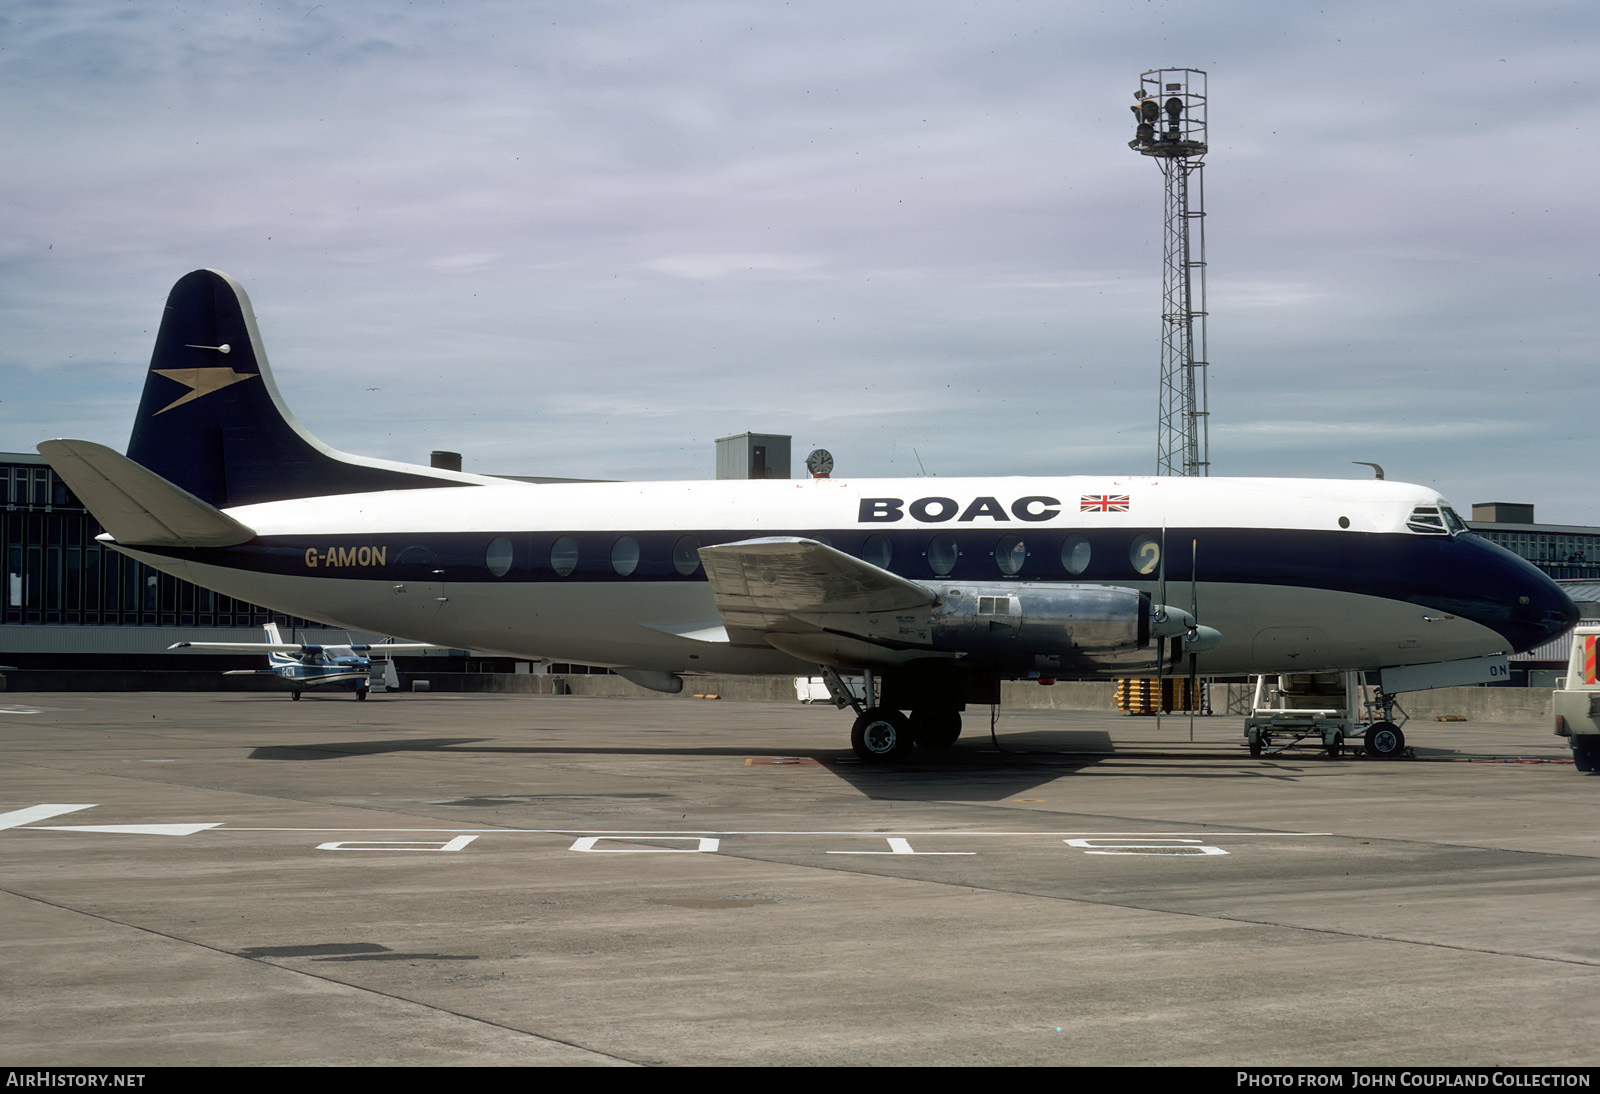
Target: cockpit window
x,y
1453,521
1431,520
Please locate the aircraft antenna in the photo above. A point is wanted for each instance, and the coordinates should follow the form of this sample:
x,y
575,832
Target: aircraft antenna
x,y
1170,113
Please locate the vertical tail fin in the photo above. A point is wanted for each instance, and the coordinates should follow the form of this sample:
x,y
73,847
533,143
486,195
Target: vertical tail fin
x,y
212,422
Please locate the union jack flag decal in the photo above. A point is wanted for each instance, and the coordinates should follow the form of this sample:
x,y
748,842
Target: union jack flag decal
x,y
1103,503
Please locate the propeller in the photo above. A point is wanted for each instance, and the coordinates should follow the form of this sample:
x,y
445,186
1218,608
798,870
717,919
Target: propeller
x,y
1194,628
1166,622
1182,627
1196,639
1161,626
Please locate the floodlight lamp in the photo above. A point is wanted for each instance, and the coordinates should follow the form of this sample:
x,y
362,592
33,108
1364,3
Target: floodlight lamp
x,y
1149,111
1174,107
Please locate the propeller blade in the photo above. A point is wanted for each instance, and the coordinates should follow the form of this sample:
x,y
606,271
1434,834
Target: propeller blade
x,y
1194,610
1161,619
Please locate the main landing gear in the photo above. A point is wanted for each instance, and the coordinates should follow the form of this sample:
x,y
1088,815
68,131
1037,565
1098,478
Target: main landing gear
x,y
883,734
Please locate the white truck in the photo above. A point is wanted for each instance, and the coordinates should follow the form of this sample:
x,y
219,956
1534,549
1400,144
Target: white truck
x,y
1576,703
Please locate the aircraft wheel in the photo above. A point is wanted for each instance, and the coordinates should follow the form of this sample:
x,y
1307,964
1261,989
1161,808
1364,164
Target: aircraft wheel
x,y
1586,753
1385,741
935,727
361,694
880,735
295,695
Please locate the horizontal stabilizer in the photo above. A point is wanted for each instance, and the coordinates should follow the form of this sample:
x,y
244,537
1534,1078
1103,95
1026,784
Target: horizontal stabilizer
x,y
765,586
695,632
137,506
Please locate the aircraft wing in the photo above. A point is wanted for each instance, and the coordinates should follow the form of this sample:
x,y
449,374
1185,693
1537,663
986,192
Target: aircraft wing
x,y
245,647
773,589
395,647
301,647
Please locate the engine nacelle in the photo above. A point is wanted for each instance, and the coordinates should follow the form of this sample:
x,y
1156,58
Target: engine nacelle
x,y
1044,626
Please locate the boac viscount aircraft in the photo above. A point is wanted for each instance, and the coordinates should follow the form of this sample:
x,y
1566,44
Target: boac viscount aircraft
x,y
940,589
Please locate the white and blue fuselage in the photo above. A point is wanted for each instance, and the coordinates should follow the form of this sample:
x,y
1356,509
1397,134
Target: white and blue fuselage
x,y
1295,574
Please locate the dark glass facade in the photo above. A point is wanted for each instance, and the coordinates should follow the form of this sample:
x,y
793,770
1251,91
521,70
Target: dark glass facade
x,y
56,573
1566,554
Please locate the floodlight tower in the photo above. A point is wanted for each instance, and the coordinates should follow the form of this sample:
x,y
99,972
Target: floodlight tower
x,y
1170,106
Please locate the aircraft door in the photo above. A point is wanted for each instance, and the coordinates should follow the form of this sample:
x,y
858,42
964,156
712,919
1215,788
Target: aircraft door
x,y
419,590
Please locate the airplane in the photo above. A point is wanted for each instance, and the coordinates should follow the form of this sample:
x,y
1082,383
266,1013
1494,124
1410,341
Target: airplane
x,y
936,590
304,666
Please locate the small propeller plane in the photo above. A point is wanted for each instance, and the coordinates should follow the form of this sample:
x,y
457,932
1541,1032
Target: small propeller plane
x,y
304,666
940,588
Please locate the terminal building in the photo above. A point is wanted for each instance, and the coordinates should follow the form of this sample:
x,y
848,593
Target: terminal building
x,y
70,603
1565,552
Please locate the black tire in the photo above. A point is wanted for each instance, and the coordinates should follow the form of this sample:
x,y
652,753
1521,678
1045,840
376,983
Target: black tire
x,y
361,694
1385,741
935,727
295,695
881,735
1585,753
1257,743
1337,746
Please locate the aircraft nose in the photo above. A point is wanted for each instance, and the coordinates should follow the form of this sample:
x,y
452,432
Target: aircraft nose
x,y
1510,595
1541,612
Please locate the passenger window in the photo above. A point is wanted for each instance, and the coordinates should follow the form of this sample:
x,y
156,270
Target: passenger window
x,y
564,555
414,556
686,555
1075,553
1145,554
942,554
877,551
625,555
1010,554
497,558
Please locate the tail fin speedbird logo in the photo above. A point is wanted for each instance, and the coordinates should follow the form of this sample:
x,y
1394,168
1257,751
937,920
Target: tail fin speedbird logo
x,y
200,381
1103,503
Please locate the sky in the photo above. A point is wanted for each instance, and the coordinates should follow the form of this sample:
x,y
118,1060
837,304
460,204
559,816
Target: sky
x,y
587,239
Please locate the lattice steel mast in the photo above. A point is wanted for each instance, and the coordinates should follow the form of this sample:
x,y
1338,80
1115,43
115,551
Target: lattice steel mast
x,y
1171,110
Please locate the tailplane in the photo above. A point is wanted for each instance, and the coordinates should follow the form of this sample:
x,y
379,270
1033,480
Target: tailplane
x,y
137,506
211,420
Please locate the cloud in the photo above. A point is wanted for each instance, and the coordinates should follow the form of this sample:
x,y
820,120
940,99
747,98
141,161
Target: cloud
x,y
589,239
